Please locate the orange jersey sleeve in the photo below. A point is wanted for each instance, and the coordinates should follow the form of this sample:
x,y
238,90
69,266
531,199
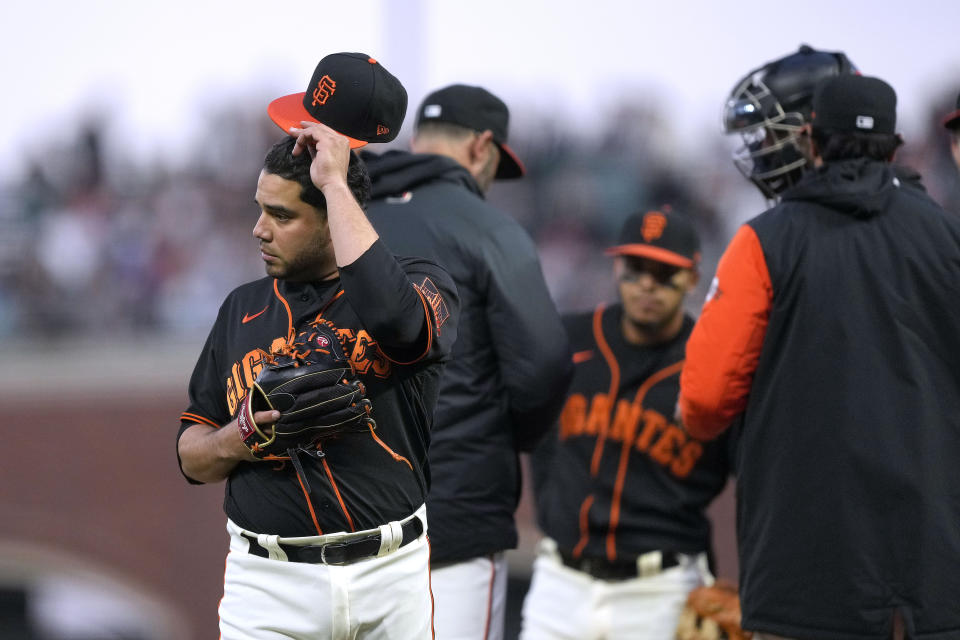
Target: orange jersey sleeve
x,y
724,348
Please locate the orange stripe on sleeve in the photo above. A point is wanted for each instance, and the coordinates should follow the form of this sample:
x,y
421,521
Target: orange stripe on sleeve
x,y
193,417
724,348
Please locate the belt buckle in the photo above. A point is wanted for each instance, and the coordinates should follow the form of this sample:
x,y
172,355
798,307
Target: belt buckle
x,y
323,554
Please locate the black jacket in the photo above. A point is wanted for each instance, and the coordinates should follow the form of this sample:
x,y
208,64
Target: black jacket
x,y
503,388
849,491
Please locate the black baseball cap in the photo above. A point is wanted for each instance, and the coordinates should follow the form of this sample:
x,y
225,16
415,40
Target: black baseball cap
x,y
854,104
952,120
662,235
478,109
351,93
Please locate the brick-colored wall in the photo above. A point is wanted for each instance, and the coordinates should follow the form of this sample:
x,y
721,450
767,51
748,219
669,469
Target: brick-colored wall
x,y
97,477
89,470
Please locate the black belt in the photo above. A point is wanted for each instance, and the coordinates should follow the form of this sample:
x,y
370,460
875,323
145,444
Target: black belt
x,y
338,553
603,569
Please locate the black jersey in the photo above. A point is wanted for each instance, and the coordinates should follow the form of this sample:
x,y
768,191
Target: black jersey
x,y
619,477
365,479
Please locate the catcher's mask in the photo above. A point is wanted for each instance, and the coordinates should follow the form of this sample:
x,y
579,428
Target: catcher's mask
x,y
769,107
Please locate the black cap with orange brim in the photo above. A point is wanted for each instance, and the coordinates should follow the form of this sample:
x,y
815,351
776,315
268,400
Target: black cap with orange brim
x,y
351,93
662,235
478,109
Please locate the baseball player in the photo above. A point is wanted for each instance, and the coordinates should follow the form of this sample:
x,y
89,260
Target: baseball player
x,y
621,490
330,542
830,338
502,390
952,122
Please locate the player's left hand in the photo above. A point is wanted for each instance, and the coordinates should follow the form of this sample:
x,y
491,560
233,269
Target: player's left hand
x,y
329,150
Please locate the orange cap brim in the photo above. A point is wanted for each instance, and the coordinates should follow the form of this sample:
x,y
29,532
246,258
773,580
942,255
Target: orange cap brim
x,y
288,112
510,165
654,253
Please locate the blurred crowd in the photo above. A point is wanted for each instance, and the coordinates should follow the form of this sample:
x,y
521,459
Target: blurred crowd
x,y
95,244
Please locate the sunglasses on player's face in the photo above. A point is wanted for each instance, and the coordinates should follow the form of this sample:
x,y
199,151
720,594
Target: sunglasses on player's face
x,y
661,272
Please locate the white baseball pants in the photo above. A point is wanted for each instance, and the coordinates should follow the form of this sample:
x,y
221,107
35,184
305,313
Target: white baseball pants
x,y
471,598
566,604
381,598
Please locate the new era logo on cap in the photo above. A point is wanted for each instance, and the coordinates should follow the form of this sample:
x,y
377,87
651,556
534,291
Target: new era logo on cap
x,y
352,94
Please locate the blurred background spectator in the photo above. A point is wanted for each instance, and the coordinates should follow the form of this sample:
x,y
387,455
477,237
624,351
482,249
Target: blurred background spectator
x,y
93,244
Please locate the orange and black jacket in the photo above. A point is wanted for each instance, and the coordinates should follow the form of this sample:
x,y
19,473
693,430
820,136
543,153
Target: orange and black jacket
x,y
619,477
398,317
831,338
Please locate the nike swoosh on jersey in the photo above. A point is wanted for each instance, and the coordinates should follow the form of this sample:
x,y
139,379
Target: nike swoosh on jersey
x,y
247,317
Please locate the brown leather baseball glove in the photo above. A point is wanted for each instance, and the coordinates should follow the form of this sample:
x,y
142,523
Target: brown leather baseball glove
x,y
712,613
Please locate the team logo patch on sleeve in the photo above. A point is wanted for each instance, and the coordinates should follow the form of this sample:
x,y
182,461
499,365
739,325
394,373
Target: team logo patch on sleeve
x,y
435,300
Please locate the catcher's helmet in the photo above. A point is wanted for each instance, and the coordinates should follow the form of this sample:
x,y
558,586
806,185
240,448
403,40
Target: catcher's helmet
x,y
769,107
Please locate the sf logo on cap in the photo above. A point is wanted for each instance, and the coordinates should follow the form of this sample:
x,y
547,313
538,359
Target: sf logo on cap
x,y
325,88
653,225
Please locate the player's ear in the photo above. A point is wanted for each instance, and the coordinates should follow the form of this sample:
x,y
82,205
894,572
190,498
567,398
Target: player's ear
x,y
480,147
688,281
